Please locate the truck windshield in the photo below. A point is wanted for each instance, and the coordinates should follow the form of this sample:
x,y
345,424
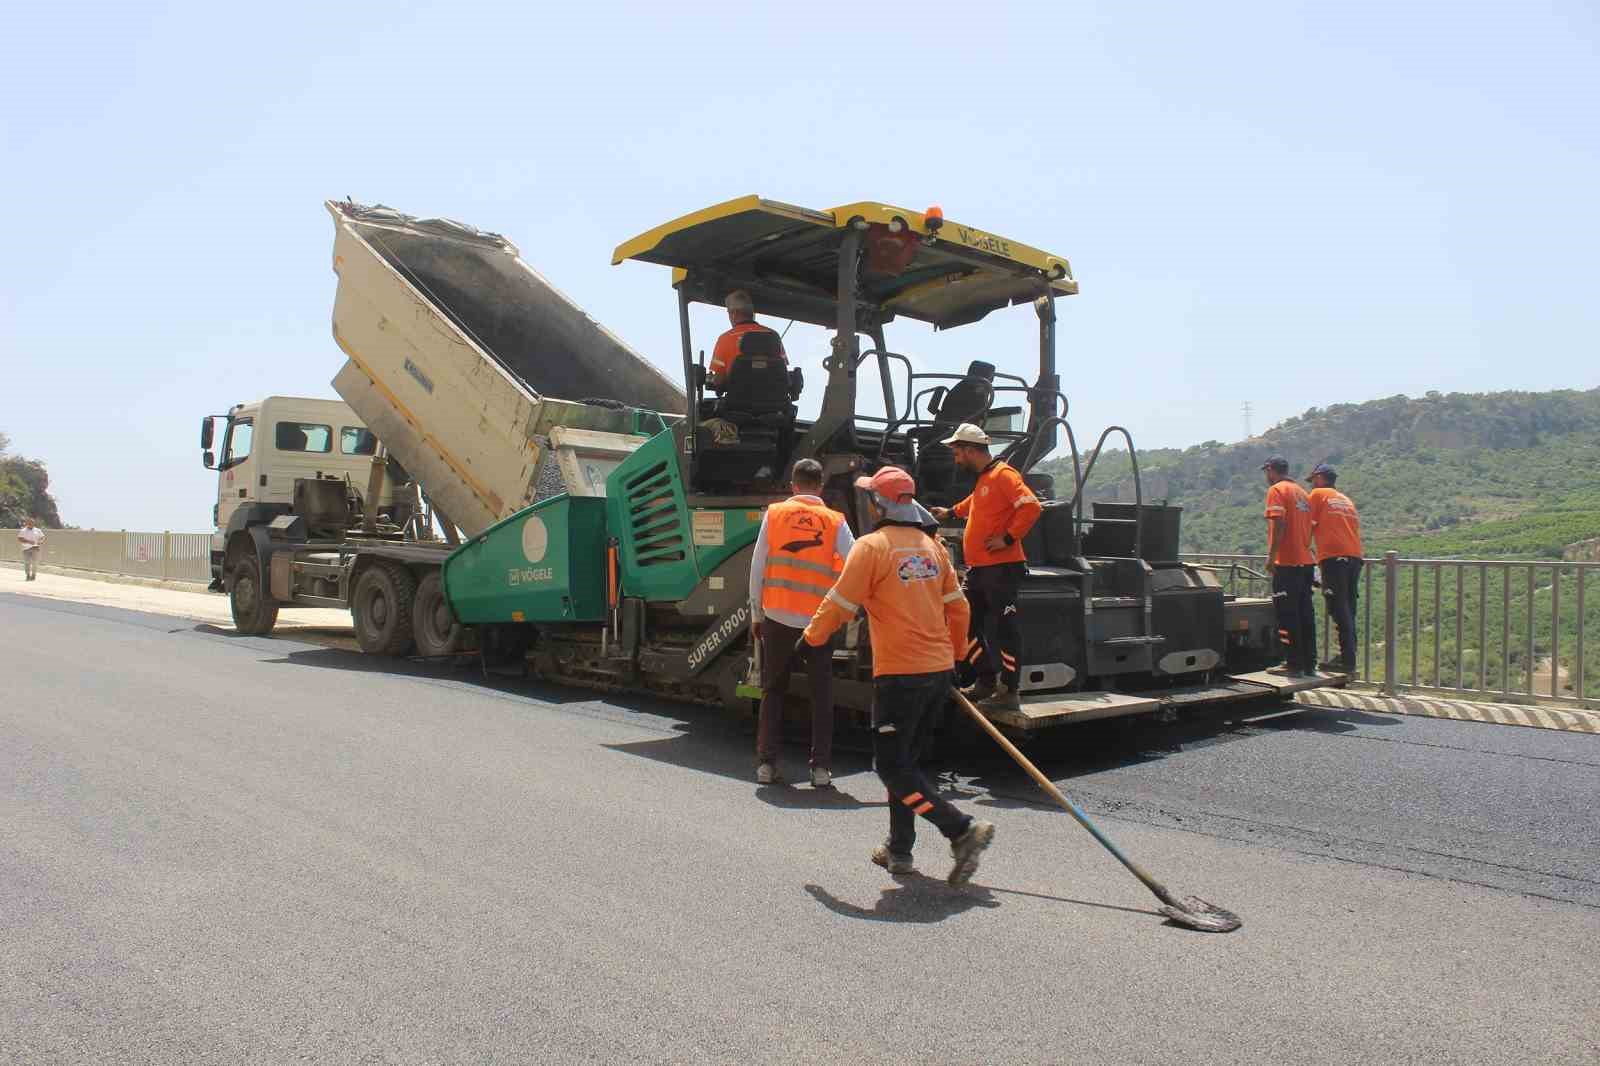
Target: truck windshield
x,y
303,437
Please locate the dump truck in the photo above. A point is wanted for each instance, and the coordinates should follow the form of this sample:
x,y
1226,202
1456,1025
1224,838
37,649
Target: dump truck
x,y
634,574
356,503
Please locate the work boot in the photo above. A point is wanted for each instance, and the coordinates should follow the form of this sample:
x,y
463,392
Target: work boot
x,y
767,774
980,689
895,864
1003,699
1334,666
966,848
821,777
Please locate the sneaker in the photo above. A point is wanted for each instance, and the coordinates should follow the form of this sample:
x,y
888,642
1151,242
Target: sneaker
x,y
821,777
1002,700
980,689
966,848
895,864
767,774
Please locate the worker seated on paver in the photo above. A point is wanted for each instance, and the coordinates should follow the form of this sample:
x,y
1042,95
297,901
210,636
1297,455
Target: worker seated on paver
x,y
729,348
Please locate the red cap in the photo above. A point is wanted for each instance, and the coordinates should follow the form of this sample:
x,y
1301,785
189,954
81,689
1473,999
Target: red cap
x,y
892,483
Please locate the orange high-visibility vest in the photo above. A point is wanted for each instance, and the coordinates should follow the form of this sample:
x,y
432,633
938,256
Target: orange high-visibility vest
x,y
802,564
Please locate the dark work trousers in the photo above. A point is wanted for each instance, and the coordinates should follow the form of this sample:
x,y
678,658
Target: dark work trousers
x,y
777,664
1341,584
1297,618
903,706
992,595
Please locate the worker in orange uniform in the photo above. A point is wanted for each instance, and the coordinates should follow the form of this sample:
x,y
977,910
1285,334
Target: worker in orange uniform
x,y
1291,564
800,552
742,320
999,514
1336,528
902,577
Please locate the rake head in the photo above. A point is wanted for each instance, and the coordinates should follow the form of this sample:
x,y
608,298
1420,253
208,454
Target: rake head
x,y
1195,913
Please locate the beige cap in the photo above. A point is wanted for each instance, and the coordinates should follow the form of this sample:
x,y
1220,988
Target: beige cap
x,y
967,433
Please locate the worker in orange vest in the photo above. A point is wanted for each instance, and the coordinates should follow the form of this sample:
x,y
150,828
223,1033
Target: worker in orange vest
x,y
800,552
999,514
1336,527
902,578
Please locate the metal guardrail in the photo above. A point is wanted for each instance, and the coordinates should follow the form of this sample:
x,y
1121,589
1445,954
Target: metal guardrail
x,y
1477,628
166,555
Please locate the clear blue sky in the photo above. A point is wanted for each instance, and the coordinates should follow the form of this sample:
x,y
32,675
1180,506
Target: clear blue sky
x,y
1294,204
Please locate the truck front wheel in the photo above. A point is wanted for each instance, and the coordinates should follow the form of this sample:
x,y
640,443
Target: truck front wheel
x,y
381,609
432,622
254,613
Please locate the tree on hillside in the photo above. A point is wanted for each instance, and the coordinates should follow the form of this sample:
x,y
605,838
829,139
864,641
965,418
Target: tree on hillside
x,y
25,490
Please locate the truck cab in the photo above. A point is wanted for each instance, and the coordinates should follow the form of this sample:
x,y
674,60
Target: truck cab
x,y
263,447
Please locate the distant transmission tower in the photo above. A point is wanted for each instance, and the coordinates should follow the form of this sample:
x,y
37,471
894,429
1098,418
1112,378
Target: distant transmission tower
x,y
1247,420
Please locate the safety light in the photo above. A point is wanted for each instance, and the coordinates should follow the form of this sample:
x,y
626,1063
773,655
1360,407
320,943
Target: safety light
x,y
934,218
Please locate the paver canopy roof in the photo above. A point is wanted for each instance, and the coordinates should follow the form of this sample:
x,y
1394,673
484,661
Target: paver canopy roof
x,y
916,265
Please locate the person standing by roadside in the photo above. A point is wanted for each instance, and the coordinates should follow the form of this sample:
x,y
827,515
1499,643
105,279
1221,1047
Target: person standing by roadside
x,y
1291,564
31,537
999,514
1336,527
903,579
800,552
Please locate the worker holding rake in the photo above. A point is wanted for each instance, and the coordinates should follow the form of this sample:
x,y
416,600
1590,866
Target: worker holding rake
x,y
903,579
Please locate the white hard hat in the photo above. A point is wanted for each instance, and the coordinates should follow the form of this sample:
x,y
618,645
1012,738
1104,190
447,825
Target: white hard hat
x,y
967,433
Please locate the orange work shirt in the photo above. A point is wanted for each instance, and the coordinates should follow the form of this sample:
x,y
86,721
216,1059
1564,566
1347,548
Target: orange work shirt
x,y
1288,501
1001,503
1335,525
726,351
903,579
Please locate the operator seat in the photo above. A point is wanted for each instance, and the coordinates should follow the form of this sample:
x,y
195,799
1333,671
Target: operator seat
x,y
746,433
968,400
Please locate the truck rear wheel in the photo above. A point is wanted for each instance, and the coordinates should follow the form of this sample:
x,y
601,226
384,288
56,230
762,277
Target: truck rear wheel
x,y
254,613
432,622
381,609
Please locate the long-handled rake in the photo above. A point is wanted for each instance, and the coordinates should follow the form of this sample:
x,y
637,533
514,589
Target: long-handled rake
x,y
1190,911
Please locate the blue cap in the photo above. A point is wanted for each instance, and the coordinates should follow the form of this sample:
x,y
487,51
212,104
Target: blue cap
x,y
1325,470
1276,462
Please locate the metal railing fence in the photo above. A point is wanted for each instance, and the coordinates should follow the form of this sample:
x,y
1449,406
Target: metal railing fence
x,y
1480,628
166,555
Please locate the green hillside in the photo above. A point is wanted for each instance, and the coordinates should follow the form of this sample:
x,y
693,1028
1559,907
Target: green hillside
x,y
1487,475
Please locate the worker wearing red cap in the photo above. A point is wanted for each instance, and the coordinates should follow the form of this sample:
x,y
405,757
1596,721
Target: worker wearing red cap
x,y
902,577
999,514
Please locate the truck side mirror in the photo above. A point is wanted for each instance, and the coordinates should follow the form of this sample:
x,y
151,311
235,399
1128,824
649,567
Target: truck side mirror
x,y
209,460
207,427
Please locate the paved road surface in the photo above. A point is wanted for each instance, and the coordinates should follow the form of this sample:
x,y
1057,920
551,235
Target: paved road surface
x,y
226,849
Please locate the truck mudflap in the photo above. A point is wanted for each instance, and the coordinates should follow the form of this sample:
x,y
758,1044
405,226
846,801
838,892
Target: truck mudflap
x,y
1049,711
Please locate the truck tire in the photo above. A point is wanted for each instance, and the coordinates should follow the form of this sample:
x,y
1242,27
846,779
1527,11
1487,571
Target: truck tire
x,y
381,609
433,624
254,612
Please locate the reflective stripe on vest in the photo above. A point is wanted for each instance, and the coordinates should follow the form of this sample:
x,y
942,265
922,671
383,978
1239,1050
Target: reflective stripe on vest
x,y
801,564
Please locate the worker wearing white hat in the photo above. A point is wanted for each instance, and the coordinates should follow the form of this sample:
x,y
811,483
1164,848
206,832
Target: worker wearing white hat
x,y
999,514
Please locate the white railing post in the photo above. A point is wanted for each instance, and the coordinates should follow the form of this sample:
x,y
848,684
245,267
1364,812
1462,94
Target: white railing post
x,y
1391,589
